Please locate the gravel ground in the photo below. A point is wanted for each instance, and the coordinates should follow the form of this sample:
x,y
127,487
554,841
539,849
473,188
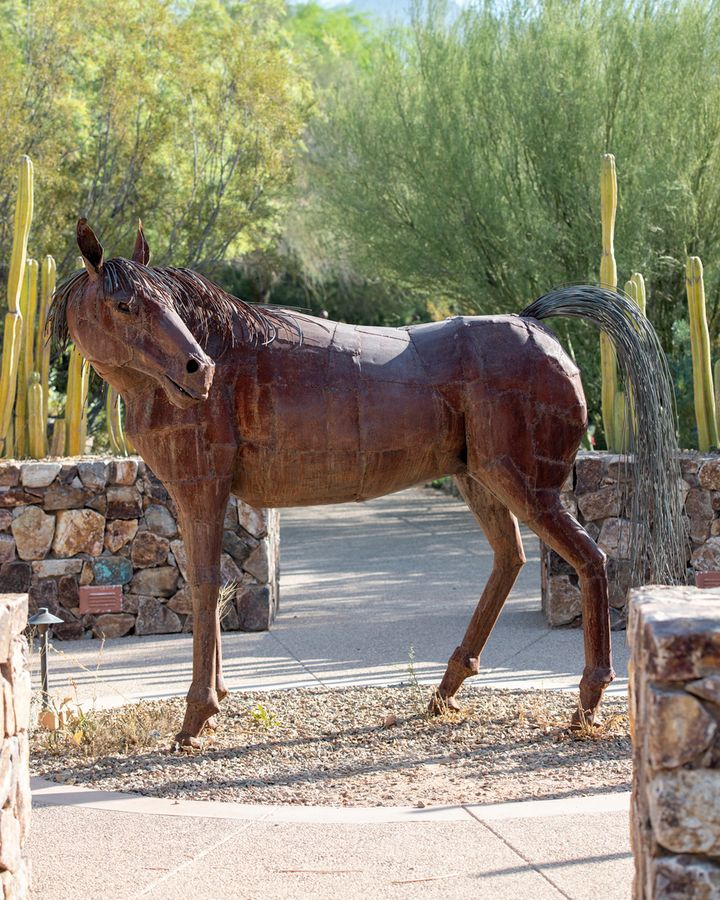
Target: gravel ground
x,y
349,747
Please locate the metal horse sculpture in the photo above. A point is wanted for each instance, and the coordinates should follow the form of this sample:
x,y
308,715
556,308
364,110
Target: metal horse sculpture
x,y
284,409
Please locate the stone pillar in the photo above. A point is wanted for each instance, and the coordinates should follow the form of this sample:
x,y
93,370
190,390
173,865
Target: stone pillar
x,y
14,754
674,634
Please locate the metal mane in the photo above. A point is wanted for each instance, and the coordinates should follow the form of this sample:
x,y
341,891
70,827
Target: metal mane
x,y
206,309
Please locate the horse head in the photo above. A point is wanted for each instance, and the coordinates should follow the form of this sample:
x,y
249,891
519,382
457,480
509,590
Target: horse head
x,y
122,316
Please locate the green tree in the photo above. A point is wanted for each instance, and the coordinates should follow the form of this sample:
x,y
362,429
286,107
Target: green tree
x,y
188,114
464,162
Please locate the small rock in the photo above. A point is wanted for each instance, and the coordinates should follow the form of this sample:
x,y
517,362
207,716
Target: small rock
x,y
6,518
561,600
9,474
113,625
149,549
64,496
123,502
615,538
87,575
679,728
238,547
707,688
79,531
257,563
231,514
39,474
154,617
707,557
7,547
68,592
698,506
390,721
601,504
157,582
131,603
160,520
120,532
93,474
178,551
229,572
112,570
254,521
255,607
684,807
181,602
123,471
709,475
11,497
15,577
33,531
55,568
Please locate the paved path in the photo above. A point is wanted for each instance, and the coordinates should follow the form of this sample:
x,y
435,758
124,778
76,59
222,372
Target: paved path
x,y
88,844
361,585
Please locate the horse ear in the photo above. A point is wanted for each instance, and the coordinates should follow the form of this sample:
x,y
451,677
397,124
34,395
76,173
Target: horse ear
x,y
90,247
141,253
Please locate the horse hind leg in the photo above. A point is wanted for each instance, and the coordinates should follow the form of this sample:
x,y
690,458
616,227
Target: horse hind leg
x,y
502,532
560,531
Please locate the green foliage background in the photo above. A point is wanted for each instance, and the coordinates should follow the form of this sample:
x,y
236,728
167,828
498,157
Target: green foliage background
x,y
464,164
316,158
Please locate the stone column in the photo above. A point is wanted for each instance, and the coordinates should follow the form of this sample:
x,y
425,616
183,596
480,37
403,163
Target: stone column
x,y
14,754
674,634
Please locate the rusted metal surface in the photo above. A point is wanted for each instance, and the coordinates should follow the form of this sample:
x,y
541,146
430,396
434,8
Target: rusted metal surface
x,y
284,409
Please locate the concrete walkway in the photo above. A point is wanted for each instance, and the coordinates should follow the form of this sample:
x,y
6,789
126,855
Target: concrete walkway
x,y
361,586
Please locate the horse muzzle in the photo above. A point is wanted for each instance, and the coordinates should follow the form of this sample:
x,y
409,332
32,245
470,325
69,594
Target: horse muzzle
x,y
192,386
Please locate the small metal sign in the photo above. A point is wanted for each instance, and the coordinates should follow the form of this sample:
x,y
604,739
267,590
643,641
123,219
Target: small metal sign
x,y
707,580
101,598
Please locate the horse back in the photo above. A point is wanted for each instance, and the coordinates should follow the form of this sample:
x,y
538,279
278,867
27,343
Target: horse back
x,y
348,413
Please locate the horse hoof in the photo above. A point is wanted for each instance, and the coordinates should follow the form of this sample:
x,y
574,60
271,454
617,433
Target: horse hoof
x,y
439,705
187,742
212,723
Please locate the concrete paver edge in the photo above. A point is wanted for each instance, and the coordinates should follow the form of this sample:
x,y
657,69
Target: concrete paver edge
x,y
50,793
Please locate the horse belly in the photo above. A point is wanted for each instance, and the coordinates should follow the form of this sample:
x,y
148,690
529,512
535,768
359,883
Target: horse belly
x,y
334,448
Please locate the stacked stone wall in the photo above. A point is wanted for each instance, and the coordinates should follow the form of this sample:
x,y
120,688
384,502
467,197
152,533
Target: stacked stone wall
x,y
70,523
593,494
14,752
674,635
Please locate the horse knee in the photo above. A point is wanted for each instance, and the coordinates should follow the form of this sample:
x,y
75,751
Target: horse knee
x,y
514,561
594,564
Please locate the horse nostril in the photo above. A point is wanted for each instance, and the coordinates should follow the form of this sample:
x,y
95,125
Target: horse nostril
x,y
192,366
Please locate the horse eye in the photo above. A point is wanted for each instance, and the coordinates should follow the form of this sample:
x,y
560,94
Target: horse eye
x,y
123,307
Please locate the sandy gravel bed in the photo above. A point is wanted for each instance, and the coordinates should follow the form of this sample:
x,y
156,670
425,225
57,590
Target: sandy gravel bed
x,y
349,747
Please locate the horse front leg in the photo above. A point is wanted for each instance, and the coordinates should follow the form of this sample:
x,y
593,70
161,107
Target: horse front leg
x,y
201,513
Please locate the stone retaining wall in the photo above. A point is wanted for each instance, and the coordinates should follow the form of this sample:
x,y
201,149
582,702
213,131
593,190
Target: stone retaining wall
x,y
14,752
593,496
70,523
674,634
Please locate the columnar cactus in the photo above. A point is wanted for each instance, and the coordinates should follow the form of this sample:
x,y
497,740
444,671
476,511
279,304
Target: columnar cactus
x,y
113,416
639,294
608,278
36,422
26,365
13,317
700,345
78,374
48,278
